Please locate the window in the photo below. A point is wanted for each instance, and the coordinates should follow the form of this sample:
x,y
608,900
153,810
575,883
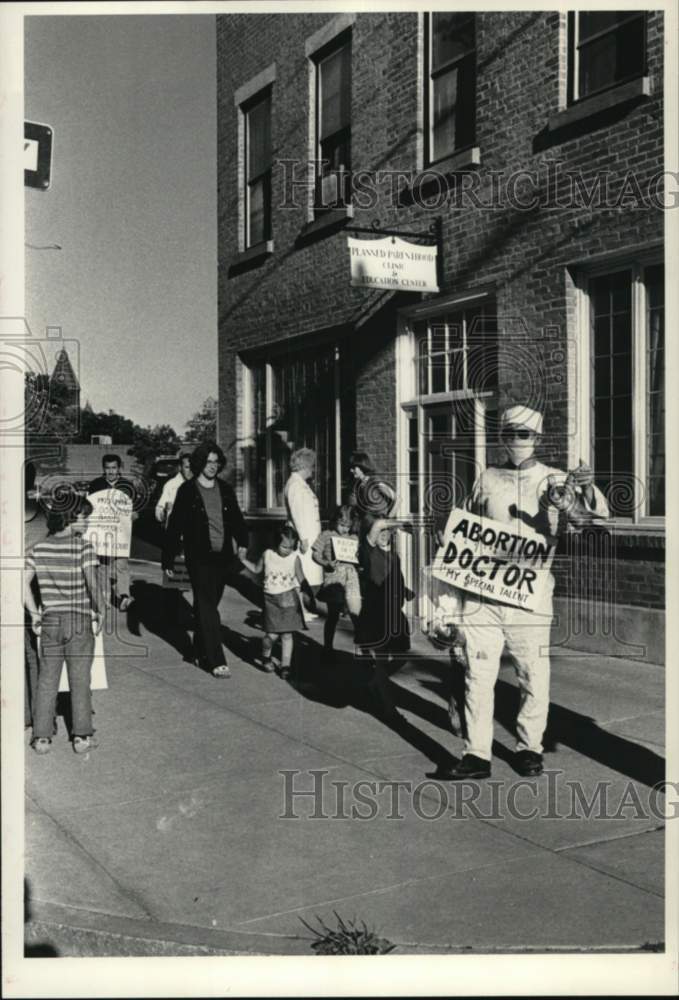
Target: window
x,y
295,401
626,309
333,126
457,352
451,83
257,121
606,48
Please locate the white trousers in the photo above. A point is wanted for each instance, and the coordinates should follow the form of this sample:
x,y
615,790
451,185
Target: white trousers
x,y
487,628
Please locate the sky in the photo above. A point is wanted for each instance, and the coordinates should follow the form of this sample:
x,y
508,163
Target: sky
x,y
133,204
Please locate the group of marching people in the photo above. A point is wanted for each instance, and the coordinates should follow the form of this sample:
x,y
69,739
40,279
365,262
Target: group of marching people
x,y
305,565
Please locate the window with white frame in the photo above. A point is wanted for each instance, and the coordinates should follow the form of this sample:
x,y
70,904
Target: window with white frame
x,y
454,381
450,79
333,124
605,48
627,387
293,401
257,168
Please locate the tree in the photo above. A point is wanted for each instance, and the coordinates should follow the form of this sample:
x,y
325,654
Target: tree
x,y
203,424
150,442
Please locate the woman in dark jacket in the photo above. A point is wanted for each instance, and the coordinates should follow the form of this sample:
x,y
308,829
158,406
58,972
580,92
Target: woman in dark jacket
x,y
371,497
207,519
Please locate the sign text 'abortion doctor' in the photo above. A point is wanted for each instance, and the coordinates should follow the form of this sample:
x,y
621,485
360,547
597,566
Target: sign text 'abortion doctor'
x,y
487,558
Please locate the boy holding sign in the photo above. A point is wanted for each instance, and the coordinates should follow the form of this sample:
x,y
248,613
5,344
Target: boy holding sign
x,y
500,559
336,550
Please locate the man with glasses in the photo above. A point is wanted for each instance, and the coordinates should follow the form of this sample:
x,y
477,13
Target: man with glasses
x,y
521,492
207,518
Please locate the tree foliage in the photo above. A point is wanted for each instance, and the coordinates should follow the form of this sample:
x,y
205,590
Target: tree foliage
x,y
203,424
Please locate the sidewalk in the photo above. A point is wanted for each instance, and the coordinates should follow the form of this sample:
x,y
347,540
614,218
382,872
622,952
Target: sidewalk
x,y
168,839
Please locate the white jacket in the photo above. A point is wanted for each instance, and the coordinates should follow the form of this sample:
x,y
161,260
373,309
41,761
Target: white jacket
x,y
302,506
167,498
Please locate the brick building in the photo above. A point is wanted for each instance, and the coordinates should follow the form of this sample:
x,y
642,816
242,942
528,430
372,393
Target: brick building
x,y
536,139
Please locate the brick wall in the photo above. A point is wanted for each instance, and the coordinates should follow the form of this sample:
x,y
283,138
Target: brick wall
x,y
523,253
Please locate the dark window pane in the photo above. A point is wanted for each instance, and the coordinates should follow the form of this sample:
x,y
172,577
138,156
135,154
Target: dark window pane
x,y
258,138
335,92
622,456
600,296
456,370
602,335
259,210
412,432
622,333
602,417
452,36
414,498
621,292
611,57
622,415
602,377
592,22
438,373
445,104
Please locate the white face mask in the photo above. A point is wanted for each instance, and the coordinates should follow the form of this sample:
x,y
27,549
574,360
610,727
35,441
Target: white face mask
x,y
519,451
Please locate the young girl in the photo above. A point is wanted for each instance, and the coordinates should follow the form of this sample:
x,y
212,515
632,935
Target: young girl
x,y
383,627
341,587
283,582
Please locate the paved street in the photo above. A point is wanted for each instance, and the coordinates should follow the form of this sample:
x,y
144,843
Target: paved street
x,y
168,839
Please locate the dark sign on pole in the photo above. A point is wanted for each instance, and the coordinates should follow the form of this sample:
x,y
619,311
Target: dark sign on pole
x,y
37,155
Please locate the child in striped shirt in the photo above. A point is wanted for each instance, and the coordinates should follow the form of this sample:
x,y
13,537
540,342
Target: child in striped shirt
x,y
65,566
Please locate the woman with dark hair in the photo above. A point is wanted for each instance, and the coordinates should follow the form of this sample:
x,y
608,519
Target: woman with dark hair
x,y
370,496
207,519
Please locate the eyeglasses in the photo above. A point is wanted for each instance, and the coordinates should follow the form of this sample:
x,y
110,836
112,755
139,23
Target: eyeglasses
x,y
521,433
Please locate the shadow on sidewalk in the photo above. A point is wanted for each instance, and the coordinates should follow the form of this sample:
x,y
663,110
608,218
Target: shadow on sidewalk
x,y
564,726
345,683
34,949
164,612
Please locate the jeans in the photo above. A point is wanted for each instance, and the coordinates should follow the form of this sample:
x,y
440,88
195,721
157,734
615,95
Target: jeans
x,y
66,635
208,579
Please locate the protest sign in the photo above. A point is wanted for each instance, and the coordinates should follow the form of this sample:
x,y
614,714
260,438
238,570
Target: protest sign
x,y
506,563
98,678
345,549
109,526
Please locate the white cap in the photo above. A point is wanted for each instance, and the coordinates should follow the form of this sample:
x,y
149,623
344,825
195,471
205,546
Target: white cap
x,y
521,416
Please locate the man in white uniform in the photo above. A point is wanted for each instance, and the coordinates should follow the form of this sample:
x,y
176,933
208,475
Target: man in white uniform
x,y
523,491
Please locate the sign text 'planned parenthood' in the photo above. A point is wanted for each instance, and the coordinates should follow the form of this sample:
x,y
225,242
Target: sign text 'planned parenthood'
x,y
393,263
488,558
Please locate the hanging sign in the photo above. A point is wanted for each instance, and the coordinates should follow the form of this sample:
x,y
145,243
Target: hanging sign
x,y
392,263
494,560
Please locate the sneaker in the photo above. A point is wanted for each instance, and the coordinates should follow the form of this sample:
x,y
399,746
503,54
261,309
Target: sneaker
x,y
528,763
41,745
470,768
221,671
83,744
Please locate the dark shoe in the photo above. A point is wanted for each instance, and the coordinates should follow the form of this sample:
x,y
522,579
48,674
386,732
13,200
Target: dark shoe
x,y
285,673
528,763
470,767
267,665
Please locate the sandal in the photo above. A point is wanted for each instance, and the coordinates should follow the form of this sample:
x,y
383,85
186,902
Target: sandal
x,y
82,744
221,671
41,744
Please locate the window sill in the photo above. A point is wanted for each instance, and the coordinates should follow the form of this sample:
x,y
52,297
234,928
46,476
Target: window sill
x,y
644,534
624,93
251,257
326,222
437,176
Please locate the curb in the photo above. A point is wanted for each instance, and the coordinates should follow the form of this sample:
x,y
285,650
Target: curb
x,y
70,931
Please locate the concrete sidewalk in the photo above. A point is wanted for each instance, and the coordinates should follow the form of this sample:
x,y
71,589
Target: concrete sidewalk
x,y
168,839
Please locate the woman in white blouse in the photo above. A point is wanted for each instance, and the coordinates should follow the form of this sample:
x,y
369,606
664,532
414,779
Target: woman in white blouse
x,y
302,506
